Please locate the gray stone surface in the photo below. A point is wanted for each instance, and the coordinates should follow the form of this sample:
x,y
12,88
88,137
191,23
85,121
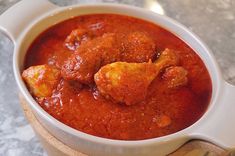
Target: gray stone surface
x,y
212,20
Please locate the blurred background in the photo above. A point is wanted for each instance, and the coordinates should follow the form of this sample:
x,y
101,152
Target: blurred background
x,y
212,20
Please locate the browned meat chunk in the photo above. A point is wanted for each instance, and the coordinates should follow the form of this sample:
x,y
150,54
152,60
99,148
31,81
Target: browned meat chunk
x,y
81,67
76,38
89,57
175,77
138,47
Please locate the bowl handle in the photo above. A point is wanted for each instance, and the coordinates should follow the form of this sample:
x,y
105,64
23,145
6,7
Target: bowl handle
x,y
15,19
219,126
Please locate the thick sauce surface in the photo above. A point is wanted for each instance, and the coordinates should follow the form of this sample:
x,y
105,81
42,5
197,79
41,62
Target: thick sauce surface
x,y
83,108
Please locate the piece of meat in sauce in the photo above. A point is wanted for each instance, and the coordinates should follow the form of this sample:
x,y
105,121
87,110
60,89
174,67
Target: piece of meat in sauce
x,y
128,82
175,77
89,57
76,38
41,80
138,47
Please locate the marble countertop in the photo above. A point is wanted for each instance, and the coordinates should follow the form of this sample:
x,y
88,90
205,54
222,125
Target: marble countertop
x,y
212,20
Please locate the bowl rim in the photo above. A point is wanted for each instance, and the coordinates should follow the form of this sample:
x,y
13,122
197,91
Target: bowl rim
x,y
182,133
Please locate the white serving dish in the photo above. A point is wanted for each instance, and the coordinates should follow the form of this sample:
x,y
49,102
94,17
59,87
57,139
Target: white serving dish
x,y
27,19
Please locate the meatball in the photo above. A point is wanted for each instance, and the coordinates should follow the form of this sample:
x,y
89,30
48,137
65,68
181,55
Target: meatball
x,y
138,47
89,57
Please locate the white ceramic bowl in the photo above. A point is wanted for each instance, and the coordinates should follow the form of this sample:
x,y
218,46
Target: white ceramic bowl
x,y
23,23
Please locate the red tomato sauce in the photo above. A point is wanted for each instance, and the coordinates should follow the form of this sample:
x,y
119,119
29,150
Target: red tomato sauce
x,y
165,111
